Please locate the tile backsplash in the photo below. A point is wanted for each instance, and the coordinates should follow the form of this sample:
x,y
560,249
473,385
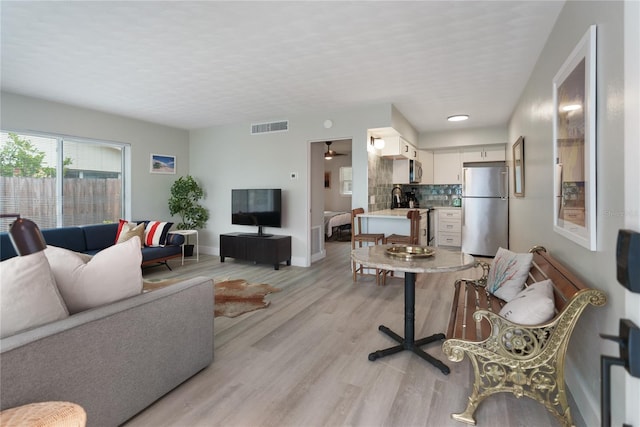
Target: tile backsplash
x,y
381,175
434,195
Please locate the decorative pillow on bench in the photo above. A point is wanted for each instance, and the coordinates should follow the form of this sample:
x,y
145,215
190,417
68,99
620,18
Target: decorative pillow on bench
x,y
508,273
532,306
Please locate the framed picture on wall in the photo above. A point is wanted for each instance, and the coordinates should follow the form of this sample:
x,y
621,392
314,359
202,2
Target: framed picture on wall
x,y
518,168
327,180
161,163
574,144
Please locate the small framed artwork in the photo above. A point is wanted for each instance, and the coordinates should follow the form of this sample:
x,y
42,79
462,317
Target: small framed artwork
x,y
327,180
574,144
161,163
518,168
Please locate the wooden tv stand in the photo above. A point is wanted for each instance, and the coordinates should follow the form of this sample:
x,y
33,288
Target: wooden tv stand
x,y
269,249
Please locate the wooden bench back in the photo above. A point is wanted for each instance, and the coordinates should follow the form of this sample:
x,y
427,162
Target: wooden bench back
x,y
469,297
565,283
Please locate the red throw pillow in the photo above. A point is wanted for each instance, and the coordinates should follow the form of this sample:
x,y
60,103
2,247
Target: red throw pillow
x,y
120,224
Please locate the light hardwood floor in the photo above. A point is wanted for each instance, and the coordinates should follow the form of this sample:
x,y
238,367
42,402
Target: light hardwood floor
x,y
303,360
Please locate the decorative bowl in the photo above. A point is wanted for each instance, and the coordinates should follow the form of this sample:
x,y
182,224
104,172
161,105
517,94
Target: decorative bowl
x,y
410,251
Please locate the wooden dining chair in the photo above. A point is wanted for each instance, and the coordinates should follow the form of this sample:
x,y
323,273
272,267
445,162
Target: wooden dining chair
x,y
413,238
357,236
399,239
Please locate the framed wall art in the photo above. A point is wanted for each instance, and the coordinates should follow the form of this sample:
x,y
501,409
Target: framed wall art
x,y
518,168
574,144
161,163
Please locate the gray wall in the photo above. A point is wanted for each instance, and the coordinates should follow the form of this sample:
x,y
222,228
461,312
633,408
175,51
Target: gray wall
x,y
226,157
632,173
149,191
531,217
402,125
463,137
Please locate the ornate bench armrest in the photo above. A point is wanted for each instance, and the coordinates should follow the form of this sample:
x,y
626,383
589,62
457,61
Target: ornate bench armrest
x,y
508,341
482,281
514,343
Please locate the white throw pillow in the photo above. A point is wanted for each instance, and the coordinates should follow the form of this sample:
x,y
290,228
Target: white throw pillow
x,y
508,273
532,306
111,275
28,294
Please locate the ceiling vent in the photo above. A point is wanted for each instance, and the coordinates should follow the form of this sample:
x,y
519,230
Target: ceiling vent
x,y
281,126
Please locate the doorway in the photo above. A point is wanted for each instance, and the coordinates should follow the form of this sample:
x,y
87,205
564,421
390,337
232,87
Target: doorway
x,y
329,192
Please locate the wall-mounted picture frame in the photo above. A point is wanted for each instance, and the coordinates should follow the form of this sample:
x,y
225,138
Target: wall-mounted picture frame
x,y
327,180
574,144
162,163
518,168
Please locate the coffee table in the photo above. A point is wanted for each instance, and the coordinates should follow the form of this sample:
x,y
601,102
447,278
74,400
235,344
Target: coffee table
x,y
442,261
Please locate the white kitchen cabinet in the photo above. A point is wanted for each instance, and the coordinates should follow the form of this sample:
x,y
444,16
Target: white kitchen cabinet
x,y
413,153
484,153
447,167
449,227
396,147
401,171
426,159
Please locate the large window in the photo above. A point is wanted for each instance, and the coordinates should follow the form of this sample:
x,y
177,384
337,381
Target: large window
x,y
61,181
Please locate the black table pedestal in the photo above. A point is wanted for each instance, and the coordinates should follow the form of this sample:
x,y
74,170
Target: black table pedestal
x,y
409,342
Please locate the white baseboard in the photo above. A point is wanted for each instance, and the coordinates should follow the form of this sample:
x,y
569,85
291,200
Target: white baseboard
x,y
318,256
588,404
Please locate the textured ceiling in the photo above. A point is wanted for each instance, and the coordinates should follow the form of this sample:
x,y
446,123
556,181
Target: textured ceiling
x,y
198,64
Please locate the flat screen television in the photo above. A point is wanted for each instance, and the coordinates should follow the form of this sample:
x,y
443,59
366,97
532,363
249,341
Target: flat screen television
x,y
261,207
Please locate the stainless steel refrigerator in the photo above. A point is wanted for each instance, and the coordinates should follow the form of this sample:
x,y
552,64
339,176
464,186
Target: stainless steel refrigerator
x,y
485,208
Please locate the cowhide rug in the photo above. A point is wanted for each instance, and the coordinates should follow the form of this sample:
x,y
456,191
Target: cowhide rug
x,y
232,297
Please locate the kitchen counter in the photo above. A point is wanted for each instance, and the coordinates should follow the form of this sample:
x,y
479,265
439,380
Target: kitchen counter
x,y
394,221
400,213
444,207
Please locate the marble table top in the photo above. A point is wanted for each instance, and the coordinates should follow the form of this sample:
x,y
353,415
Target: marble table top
x,y
442,261
400,213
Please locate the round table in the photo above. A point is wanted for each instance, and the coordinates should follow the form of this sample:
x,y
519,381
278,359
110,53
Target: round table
x,y
442,261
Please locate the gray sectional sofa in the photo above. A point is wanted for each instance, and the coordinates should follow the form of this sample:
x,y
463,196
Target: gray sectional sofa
x,y
116,359
91,239
113,360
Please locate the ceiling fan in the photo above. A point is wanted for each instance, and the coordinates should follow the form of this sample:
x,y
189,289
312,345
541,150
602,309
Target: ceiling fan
x,y
330,154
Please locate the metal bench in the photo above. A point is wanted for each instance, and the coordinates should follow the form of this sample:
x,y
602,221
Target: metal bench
x,y
508,357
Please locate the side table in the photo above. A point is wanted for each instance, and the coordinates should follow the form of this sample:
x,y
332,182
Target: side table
x,y
187,233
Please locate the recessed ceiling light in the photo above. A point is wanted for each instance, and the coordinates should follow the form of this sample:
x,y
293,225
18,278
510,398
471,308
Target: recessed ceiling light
x,y
458,118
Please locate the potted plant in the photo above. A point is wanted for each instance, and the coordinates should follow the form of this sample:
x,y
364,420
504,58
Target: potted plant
x,y
185,194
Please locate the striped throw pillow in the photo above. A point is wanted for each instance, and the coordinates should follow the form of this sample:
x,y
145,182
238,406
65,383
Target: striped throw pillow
x,y
121,224
155,233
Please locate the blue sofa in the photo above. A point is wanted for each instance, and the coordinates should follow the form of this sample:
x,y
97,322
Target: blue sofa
x,y
91,239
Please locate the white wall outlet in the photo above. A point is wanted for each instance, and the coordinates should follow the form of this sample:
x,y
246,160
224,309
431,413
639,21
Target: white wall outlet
x,y
293,175
372,199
